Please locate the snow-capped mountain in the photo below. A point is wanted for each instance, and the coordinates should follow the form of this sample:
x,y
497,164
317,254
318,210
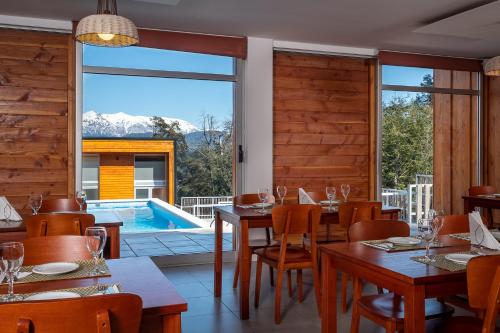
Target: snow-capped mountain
x,y
124,125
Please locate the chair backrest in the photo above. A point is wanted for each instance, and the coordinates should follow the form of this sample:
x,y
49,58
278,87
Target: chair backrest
x,y
60,205
58,224
251,198
354,211
41,250
378,229
453,224
120,313
480,190
296,219
481,273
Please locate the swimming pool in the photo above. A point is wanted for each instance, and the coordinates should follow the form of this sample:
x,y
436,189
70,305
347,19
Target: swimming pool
x,y
140,216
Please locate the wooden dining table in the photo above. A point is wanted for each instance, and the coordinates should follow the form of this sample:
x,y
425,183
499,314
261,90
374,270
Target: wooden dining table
x,y
16,231
394,271
248,218
161,303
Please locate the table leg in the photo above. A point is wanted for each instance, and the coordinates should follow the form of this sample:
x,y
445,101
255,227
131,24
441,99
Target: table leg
x,y
415,310
245,262
467,206
172,323
114,242
328,296
218,255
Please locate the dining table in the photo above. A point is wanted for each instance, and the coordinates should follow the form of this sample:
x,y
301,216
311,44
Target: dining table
x,y
482,201
162,305
244,219
395,271
14,231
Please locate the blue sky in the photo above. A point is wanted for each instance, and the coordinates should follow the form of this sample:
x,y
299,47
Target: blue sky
x,y
174,98
405,76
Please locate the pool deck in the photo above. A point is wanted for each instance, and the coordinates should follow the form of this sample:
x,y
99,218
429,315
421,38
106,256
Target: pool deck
x,y
175,242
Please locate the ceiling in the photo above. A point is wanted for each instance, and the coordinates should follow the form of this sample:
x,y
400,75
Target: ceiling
x,y
462,28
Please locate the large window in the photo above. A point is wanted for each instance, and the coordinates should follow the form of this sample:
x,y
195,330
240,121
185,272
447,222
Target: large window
x,y
188,98
90,176
425,112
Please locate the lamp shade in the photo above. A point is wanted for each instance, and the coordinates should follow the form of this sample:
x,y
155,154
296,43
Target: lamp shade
x,y
107,30
492,66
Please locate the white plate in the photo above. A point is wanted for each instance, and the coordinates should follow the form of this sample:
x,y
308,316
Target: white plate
x,y
460,258
55,268
259,205
52,295
404,240
327,202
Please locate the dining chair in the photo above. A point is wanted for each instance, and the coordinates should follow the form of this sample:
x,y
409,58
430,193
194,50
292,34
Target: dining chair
x,y
253,244
484,190
119,313
483,290
58,224
291,220
385,309
60,205
41,250
454,224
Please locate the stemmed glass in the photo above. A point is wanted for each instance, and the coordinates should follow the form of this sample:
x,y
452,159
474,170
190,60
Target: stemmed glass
x,y
95,240
427,233
281,191
11,257
345,189
81,198
7,213
331,192
35,201
263,195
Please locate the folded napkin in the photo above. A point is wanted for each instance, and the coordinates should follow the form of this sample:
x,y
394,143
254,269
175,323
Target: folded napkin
x,y
479,234
304,198
14,216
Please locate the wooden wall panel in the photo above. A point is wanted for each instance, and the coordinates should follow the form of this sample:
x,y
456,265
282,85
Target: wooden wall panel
x,y
36,115
116,176
491,137
322,123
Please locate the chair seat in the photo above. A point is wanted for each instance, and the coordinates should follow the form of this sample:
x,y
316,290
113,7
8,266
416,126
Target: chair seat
x,y
293,254
260,243
386,306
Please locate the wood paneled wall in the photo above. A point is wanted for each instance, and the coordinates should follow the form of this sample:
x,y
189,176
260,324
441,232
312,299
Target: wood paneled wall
x,y
322,134
116,176
455,140
491,136
36,115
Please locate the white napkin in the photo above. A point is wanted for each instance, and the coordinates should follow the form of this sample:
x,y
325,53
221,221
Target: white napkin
x,y
14,216
479,234
304,198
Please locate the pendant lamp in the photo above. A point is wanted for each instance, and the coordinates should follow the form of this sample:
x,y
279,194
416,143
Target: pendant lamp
x,y
106,28
492,66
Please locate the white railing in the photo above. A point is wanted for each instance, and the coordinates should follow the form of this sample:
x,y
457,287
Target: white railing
x,y
203,207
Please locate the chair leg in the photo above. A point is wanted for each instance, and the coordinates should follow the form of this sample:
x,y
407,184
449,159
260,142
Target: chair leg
x,y
300,291
258,274
271,276
289,283
277,297
345,280
356,315
316,284
390,327
236,272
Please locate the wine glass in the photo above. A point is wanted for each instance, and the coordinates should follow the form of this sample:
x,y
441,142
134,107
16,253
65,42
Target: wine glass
x,y
263,195
281,191
427,234
3,269
345,189
11,255
95,240
7,213
35,201
331,192
81,199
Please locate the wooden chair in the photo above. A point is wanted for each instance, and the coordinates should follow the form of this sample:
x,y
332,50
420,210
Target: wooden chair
x,y
120,313
287,221
60,205
454,224
58,224
41,250
253,244
483,288
484,190
385,309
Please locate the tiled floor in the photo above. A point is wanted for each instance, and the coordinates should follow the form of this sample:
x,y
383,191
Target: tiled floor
x,y
171,243
207,314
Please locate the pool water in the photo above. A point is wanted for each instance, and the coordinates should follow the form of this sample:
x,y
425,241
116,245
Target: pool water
x,y
139,216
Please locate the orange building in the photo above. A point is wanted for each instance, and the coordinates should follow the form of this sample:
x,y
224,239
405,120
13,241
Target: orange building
x,y
116,168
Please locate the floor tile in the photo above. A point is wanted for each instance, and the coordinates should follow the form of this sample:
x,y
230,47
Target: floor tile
x,y
154,252
137,240
187,249
190,290
177,243
224,322
126,254
206,305
143,246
